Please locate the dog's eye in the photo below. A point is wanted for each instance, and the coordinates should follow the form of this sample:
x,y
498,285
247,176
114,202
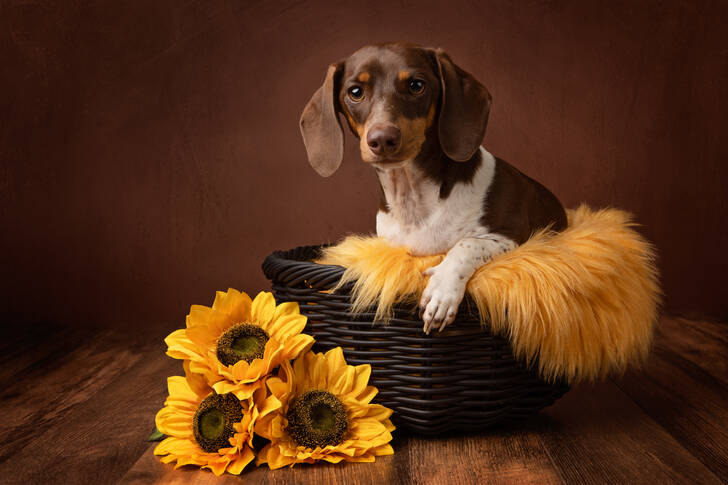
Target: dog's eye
x,y
416,86
356,93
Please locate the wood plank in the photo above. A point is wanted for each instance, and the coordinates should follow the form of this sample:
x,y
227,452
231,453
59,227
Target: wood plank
x,y
596,434
149,470
27,350
703,343
38,400
100,438
688,402
718,330
509,454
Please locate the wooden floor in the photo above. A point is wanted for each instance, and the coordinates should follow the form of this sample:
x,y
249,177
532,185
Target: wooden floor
x,y
76,407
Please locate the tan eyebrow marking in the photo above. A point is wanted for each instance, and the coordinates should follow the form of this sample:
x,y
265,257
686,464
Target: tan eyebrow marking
x,y
431,115
403,75
354,124
363,77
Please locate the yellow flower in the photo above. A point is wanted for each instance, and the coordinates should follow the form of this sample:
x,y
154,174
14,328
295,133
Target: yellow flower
x,y
324,414
238,342
207,429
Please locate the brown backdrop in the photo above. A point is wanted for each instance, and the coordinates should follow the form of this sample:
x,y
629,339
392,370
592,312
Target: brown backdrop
x,y
151,155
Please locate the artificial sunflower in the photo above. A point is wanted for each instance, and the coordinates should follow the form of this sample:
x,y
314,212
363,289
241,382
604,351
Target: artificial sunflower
x,y
324,414
207,429
238,342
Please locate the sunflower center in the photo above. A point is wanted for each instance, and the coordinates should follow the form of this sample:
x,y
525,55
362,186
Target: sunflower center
x,y
213,422
243,341
317,418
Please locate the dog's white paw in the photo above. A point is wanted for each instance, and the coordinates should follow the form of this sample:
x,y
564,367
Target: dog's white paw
x,y
441,299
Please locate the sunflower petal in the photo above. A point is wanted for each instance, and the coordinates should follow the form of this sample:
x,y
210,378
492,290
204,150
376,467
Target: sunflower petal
x,y
287,308
367,429
332,458
275,459
366,458
263,309
178,387
209,325
238,306
238,464
196,382
175,446
367,394
383,450
217,465
361,378
378,412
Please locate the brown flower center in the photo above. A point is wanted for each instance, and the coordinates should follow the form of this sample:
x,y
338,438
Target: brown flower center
x,y
243,341
317,418
213,422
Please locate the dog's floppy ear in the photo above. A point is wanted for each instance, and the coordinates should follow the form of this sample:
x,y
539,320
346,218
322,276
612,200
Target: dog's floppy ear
x,y
464,110
320,126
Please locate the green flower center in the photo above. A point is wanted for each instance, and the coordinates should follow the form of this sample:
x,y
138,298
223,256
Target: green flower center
x,y
243,341
317,418
213,422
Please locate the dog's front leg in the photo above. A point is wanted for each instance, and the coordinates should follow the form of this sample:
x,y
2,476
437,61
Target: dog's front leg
x,y
446,288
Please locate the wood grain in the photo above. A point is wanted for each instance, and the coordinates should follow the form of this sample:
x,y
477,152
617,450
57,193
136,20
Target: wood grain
x,y
679,390
501,456
385,470
41,397
89,417
78,407
705,344
28,350
596,434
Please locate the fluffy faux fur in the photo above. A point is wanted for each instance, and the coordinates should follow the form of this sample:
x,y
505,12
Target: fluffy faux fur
x,y
578,304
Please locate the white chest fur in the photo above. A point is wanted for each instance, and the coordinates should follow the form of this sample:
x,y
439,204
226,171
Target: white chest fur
x,y
419,220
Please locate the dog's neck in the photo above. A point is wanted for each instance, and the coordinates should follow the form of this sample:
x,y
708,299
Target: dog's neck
x,y
412,190
410,196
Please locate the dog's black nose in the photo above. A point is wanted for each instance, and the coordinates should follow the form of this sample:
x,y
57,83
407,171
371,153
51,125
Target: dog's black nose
x,y
384,139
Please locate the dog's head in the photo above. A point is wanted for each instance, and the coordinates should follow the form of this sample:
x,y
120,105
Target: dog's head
x,y
394,97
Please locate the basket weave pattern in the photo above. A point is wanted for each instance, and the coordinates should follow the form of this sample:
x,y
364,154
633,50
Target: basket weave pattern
x,y
464,378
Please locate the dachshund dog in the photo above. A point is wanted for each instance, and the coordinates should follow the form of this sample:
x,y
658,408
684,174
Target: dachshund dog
x,y
420,120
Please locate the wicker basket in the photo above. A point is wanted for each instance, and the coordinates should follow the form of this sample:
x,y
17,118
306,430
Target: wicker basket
x,y
462,379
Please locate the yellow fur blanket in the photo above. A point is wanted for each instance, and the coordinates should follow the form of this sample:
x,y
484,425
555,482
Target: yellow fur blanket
x,y
581,303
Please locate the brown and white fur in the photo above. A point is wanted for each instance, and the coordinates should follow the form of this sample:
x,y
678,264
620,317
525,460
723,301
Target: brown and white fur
x,y
420,120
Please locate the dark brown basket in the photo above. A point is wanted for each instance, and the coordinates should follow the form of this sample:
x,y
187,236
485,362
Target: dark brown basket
x,y
462,379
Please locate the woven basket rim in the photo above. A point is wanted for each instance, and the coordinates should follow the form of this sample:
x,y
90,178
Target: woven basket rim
x,y
293,267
